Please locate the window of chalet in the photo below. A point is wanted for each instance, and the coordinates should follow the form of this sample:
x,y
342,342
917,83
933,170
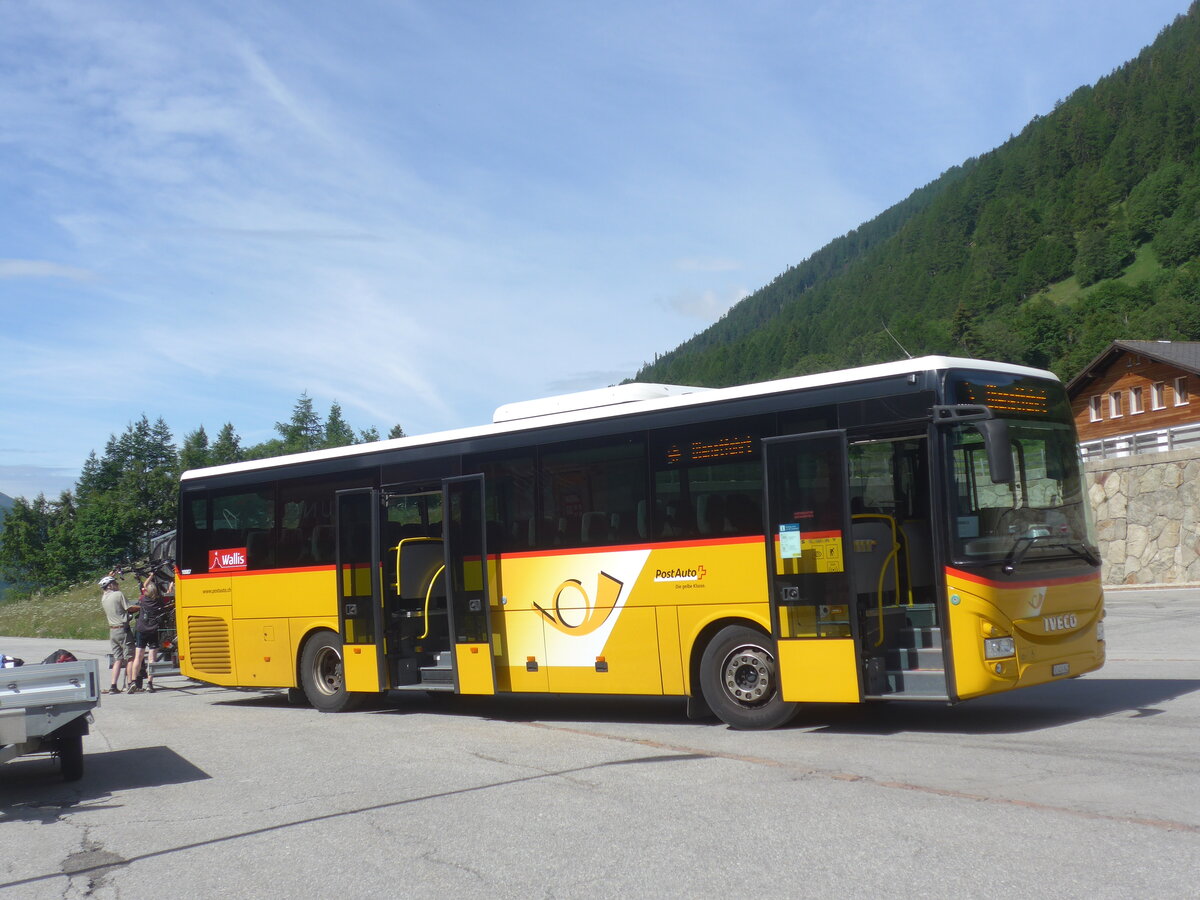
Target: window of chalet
x,y
1135,401
1114,405
1158,394
1181,391
1095,408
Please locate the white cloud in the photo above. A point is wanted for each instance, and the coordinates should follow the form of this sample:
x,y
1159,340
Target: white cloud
x,y
707,305
29,481
707,265
38,268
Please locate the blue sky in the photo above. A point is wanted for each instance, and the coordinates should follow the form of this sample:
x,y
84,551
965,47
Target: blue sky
x,y
424,210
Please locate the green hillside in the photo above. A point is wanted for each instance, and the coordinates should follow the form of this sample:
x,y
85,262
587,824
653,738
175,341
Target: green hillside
x,y
1082,229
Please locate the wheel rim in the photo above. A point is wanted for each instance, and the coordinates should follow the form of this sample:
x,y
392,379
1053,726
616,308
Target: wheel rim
x,y
748,675
327,671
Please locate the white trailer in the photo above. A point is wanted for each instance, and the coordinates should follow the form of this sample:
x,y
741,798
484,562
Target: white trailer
x,y
46,708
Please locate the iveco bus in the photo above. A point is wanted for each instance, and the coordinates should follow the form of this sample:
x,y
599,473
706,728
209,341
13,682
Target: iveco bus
x,y
916,530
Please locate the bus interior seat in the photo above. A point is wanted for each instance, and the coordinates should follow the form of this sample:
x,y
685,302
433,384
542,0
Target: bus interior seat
x,y
677,520
618,527
419,562
519,535
290,551
323,544
873,554
258,548
594,528
711,513
494,535
744,513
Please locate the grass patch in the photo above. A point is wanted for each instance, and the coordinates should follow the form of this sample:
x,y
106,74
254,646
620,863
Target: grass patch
x,y
73,613
1144,267
1062,292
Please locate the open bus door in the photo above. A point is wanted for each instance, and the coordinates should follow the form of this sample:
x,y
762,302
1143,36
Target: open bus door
x,y
813,604
360,610
469,597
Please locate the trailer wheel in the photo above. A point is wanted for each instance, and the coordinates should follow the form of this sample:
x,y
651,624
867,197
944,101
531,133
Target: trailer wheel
x,y
740,680
70,756
322,674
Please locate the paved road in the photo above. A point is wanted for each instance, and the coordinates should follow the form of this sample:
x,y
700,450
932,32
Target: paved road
x,y
1088,788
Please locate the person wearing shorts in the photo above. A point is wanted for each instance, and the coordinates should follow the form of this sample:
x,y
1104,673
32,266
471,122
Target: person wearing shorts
x,y
146,634
116,610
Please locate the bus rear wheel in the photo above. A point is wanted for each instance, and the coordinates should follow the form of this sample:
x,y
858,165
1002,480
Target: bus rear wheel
x,y
740,680
322,674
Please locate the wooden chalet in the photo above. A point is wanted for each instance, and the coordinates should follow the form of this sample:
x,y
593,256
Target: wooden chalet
x,y
1138,396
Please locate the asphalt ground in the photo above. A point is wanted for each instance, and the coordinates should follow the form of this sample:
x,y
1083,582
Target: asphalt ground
x,y
1084,788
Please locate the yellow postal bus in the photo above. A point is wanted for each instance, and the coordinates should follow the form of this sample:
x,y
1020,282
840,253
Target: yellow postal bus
x,y
916,530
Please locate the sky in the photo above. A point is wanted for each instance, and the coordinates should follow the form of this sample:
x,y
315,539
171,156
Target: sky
x,y
424,210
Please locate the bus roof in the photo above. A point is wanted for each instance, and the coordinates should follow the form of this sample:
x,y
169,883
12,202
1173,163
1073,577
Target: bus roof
x,y
624,400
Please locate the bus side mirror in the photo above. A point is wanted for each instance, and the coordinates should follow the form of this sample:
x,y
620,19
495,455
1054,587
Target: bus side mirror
x,y
994,431
999,449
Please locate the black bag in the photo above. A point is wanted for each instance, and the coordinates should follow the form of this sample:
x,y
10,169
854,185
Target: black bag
x,y
60,656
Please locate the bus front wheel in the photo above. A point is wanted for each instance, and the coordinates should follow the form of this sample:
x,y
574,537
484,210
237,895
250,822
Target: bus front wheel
x,y
740,680
322,674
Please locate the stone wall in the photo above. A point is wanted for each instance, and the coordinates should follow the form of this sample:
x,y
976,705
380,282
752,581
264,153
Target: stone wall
x,y
1146,517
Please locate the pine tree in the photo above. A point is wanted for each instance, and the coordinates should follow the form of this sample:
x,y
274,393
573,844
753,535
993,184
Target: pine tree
x,y
194,452
227,448
304,431
337,432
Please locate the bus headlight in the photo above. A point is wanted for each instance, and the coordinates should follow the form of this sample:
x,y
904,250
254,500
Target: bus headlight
x,y
999,648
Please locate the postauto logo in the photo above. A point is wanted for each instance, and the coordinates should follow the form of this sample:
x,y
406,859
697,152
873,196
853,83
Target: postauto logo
x,y
233,560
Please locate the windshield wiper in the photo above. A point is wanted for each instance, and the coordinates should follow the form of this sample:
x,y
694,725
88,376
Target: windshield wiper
x,y
1022,545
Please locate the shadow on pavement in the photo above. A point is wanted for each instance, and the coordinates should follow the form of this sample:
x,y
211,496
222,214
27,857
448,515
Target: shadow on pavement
x,y
31,788
1030,709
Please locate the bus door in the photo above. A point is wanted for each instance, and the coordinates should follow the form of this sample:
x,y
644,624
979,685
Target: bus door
x,y
414,595
469,598
813,605
360,612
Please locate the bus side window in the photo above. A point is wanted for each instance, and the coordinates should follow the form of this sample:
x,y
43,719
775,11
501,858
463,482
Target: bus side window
x,y
193,526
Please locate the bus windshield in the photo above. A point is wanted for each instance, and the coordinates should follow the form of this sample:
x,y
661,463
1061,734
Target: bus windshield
x,y
1042,513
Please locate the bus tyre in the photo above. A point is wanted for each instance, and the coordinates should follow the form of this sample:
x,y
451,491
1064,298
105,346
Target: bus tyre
x,y
321,674
70,756
740,681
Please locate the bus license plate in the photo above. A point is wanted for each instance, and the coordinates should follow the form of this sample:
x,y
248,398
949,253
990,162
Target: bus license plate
x,y
1060,669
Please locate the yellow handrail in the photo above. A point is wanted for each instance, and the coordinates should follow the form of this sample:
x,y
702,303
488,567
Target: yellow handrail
x,y
890,558
428,599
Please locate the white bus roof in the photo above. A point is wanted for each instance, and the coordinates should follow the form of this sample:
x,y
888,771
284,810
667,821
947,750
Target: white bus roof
x,y
625,400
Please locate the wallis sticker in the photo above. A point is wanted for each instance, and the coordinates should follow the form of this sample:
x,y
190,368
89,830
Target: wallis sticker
x,y
227,560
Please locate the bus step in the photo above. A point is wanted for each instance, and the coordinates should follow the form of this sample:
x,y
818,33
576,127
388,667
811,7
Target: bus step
x,y
915,658
921,615
917,682
437,675
929,637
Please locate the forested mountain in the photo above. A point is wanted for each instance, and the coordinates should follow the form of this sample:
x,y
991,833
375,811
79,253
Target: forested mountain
x,y
1082,229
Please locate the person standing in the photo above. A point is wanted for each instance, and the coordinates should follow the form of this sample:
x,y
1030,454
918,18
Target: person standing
x,y
146,634
116,610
